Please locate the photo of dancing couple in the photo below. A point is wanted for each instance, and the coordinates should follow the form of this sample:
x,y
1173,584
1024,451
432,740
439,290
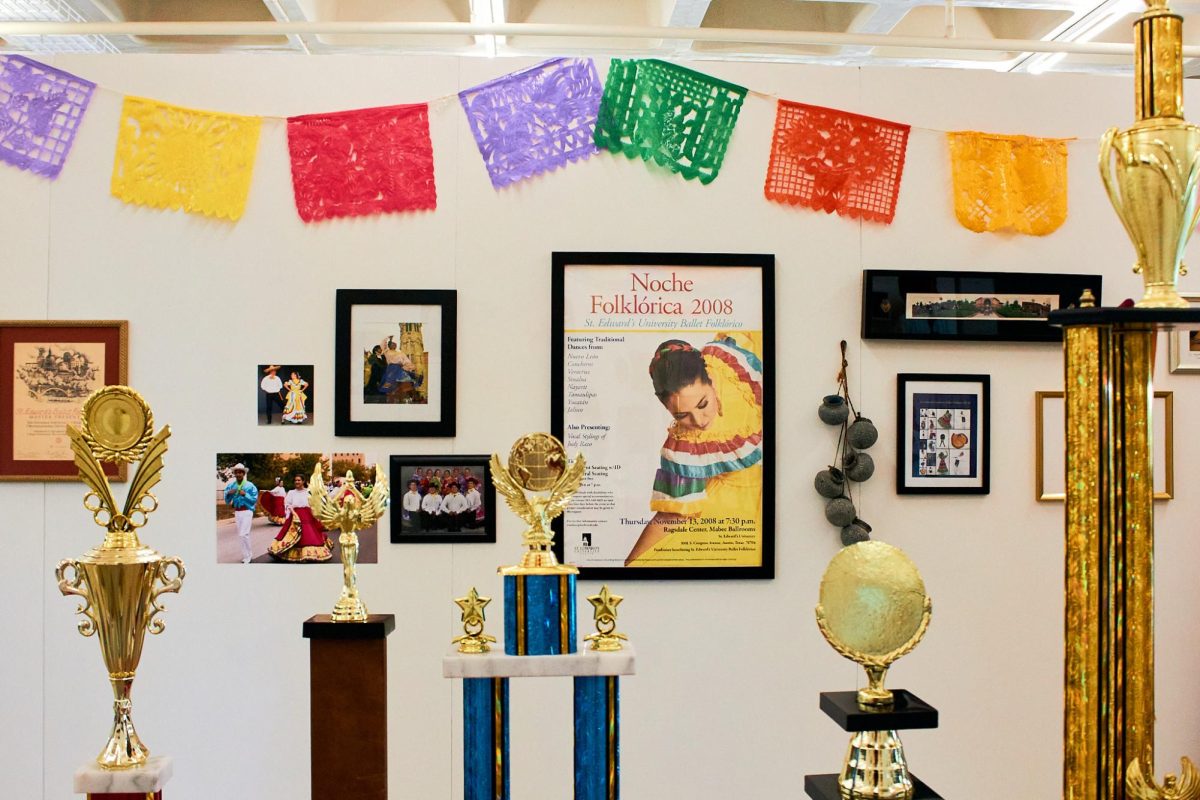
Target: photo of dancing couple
x,y
285,394
263,507
442,499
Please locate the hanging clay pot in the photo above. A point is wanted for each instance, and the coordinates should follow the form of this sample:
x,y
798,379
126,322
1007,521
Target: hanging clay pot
x,y
840,511
858,466
830,482
862,433
833,409
857,531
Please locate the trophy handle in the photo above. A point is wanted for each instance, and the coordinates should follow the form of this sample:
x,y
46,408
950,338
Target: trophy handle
x,y
1108,148
154,624
76,584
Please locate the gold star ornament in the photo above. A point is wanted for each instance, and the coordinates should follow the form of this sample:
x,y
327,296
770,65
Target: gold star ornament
x,y
474,639
606,638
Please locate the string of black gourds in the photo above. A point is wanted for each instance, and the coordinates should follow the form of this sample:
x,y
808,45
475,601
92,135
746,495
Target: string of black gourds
x,y
850,464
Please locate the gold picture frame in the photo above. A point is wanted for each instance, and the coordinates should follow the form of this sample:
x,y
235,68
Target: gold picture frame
x,y
1050,494
61,382
1183,358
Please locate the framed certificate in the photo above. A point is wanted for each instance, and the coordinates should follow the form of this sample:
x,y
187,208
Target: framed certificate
x,y
47,370
663,376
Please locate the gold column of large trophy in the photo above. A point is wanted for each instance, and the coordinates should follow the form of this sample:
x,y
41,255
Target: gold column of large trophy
x,y
121,580
1150,169
873,610
537,484
349,511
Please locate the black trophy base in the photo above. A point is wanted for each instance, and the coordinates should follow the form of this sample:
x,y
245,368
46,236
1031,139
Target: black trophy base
x,y
825,787
907,714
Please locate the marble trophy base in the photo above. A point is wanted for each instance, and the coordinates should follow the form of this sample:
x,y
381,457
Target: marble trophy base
x,y
141,783
348,706
587,663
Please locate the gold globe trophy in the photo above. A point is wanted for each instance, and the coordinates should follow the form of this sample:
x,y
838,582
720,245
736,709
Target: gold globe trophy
x,y
121,580
873,610
349,511
1150,169
537,464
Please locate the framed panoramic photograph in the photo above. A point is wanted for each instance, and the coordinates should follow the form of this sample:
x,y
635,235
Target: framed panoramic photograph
x,y
395,362
442,499
1184,348
1051,467
942,430
969,306
47,370
662,377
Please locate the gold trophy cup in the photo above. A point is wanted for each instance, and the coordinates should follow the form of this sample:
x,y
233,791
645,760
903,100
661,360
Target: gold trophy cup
x,y
873,610
538,465
1150,170
121,580
349,511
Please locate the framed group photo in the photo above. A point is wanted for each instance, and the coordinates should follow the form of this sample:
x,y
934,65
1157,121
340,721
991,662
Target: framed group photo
x,y
663,379
943,433
442,499
1183,351
969,306
395,369
48,368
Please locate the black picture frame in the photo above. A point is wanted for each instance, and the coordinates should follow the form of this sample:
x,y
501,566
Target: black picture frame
x,y
765,264
975,428
399,481
887,314
345,364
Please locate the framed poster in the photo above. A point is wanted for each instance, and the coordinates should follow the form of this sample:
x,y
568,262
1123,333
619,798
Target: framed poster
x,y
662,375
442,500
968,306
943,430
395,362
47,370
1051,467
1184,349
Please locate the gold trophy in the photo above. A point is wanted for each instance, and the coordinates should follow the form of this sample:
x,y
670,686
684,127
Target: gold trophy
x,y
873,610
538,464
473,640
1150,169
349,511
121,580
606,639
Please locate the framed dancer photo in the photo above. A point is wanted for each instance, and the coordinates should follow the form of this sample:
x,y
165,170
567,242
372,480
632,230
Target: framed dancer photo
x,y
395,362
285,394
48,368
663,379
943,429
442,500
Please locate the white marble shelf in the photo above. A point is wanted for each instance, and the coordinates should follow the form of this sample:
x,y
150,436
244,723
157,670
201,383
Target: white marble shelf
x,y
496,664
91,778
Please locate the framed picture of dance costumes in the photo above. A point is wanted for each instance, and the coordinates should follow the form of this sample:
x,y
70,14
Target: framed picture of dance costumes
x,y
48,368
395,362
943,433
663,379
442,499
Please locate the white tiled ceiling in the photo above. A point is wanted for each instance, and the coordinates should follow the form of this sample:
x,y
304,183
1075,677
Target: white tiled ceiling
x,y
1067,20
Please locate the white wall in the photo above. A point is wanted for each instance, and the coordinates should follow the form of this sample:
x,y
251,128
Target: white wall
x,y
725,704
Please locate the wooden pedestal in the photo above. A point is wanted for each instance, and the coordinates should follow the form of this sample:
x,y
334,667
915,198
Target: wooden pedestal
x,y
348,698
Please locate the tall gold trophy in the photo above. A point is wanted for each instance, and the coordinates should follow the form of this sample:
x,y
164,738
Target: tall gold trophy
x,y
538,464
1150,169
349,511
121,580
874,610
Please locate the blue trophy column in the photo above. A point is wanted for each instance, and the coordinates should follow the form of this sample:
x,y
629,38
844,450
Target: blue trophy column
x,y
597,738
539,614
485,739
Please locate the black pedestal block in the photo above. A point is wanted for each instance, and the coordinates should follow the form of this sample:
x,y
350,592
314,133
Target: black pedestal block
x,y
909,713
825,787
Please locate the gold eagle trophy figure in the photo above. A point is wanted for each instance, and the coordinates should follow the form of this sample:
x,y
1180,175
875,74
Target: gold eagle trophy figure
x,y
1185,787
537,485
349,511
121,580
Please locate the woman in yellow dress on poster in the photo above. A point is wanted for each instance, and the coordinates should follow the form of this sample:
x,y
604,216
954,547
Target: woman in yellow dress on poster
x,y
293,409
708,490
